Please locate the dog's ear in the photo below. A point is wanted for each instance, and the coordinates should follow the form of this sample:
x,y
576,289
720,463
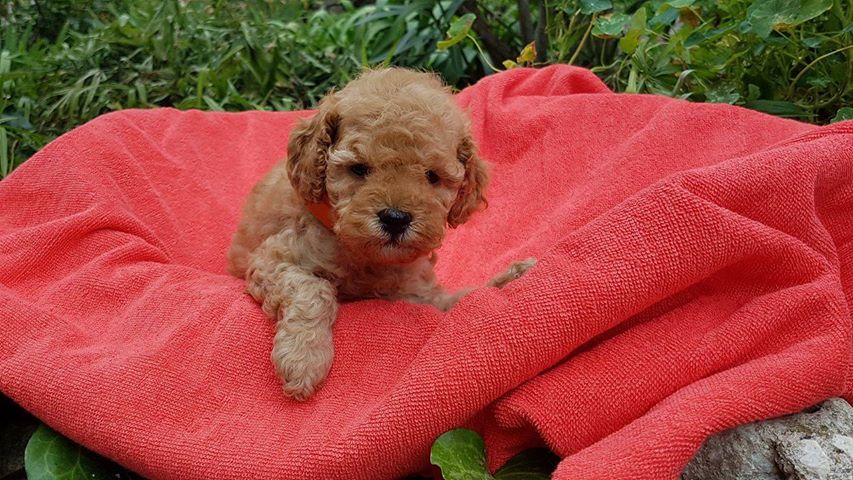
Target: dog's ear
x,y
308,151
471,194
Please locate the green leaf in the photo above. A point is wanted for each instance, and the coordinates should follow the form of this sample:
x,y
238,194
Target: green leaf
x,y
753,92
722,95
844,113
4,153
534,464
5,62
699,36
16,120
666,17
588,7
632,86
610,26
776,107
680,3
629,42
763,16
811,9
50,456
461,455
812,42
819,81
458,30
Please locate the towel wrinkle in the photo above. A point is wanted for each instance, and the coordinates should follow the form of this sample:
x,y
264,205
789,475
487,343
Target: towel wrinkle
x,y
693,260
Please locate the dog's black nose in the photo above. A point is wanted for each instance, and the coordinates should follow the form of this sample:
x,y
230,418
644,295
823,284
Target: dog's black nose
x,y
394,221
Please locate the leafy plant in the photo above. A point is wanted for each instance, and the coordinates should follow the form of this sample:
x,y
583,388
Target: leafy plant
x,y
407,34
145,54
845,113
461,455
50,456
101,56
64,62
792,58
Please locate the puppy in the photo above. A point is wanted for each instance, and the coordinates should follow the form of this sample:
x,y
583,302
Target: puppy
x,y
356,209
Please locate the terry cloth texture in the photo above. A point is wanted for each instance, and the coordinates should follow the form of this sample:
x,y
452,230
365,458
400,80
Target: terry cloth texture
x,y
694,274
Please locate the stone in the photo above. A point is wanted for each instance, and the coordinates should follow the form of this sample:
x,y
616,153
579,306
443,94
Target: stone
x,y
843,443
803,459
816,444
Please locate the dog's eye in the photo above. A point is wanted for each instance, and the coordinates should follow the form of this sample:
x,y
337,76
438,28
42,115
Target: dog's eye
x,y
432,177
359,170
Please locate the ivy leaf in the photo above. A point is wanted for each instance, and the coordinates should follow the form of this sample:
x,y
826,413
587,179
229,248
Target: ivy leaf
x,y
845,113
534,464
763,16
461,455
610,26
588,7
50,456
458,30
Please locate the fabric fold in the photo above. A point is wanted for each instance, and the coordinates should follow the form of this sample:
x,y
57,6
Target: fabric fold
x,y
694,274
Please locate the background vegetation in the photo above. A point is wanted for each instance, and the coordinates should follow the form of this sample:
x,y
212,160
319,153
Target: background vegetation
x,y
63,62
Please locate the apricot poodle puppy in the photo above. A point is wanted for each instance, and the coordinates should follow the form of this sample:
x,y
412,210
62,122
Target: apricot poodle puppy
x,y
356,209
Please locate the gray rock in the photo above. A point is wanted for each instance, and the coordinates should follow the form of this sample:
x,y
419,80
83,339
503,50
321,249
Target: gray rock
x,y
813,445
803,459
843,443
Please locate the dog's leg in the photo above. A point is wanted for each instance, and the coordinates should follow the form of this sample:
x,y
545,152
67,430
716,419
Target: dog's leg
x,y
434,294
304,306
438,297
513,272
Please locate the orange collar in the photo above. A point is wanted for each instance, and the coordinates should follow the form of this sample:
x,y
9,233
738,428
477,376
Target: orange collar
x,y
322,212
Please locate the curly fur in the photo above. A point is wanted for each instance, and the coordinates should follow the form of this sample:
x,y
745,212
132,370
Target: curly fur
x,y
401,124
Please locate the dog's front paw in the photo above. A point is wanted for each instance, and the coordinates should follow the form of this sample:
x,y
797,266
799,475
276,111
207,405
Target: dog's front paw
x,y
302,362
514,271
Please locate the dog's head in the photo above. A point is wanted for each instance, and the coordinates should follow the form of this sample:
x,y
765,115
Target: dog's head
x,y
392,155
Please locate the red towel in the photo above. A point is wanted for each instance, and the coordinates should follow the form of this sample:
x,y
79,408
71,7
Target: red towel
x,y
695,266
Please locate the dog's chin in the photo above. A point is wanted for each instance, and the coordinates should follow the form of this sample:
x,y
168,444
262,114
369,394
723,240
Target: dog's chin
x,y
392,252
383,249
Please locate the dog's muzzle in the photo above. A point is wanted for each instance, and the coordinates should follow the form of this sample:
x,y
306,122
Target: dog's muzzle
x,y
393,221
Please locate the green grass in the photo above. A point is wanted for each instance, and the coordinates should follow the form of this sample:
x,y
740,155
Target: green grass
x,y
63,62
146,54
